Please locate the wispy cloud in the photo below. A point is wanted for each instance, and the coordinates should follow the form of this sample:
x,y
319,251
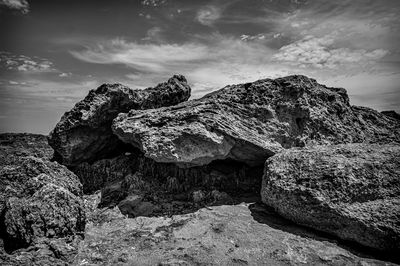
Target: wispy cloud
x,y
321,52
25,63
153,34
144,57
153,3
18,5
218,61
207,15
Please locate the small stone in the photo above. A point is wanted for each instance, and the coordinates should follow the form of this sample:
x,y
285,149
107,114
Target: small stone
x,y
198,196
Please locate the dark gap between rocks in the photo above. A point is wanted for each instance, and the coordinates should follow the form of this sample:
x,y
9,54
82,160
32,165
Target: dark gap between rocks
x,y
9,245
139,186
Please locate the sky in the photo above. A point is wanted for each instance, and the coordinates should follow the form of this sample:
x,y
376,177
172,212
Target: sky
x,y
52,52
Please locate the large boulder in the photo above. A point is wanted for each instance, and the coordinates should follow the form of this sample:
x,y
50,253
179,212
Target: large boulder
x,y
52,211
39,199
251,122
349,190
84,133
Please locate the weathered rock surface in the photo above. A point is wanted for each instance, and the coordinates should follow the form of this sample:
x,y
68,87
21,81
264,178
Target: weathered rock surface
x,y
24,144
225,235
52,211
349,190
40,200
251,122
393,114
84,133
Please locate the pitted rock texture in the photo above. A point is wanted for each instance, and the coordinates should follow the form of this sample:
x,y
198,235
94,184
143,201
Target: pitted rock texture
x,y
24,144
39,199
52,211
251,122
349,190
84,133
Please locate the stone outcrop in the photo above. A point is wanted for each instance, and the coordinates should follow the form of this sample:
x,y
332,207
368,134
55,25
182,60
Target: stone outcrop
x,y
251,122
40,200
84,133
349,190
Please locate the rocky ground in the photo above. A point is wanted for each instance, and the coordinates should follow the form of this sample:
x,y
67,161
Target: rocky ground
x,y
274,172
242,234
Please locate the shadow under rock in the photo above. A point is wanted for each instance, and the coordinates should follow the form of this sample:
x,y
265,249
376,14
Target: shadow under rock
x,y
267,215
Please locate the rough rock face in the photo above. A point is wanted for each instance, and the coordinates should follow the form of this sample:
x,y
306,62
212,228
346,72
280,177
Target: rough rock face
x,y
39,199
23,144
251,122
392,114
84,133
349,190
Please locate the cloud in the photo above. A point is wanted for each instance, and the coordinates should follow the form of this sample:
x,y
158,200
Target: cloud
x,y
214,61
321,52
19,5
208,65
153,34
25,63
145,57
12,82
245,37
208,15
64,75
153,3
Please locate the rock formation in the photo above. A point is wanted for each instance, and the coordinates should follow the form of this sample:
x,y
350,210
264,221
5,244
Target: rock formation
x,y
151,157
84,133
152,153
251,122
349,190
40,201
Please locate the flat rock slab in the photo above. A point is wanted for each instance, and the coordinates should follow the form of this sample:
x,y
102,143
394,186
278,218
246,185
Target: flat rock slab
x,y
351,191
251,122
223,235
